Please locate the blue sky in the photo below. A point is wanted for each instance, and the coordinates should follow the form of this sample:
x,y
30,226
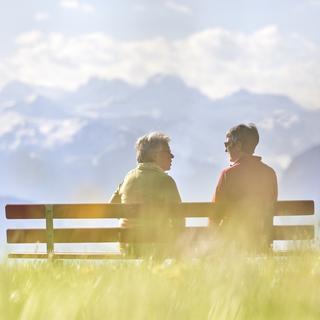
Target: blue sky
x,y
216,46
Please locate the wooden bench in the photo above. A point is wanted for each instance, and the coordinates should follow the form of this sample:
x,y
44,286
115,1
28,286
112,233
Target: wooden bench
x,y
51,235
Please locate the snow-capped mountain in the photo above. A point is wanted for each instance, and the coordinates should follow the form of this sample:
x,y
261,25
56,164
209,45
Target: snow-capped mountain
x,y
77,146
303,175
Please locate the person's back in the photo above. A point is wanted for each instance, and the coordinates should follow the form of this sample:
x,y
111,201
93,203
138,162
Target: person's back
x,y
148,184
248,179
247,191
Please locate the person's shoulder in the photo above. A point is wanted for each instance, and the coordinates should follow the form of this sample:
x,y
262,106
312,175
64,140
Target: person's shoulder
x,y
270,172
230,169
167,178
166,182
131,174
267,167
132,171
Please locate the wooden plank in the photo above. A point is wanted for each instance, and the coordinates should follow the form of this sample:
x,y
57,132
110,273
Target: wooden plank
x,y
93,256
153,235
88,211
71,211
88,235
66,235
83,235
25,211
26,236
293,232
294,207
191,209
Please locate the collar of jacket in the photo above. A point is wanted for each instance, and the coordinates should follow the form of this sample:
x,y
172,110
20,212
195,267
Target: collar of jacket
x,y
149,166
247,157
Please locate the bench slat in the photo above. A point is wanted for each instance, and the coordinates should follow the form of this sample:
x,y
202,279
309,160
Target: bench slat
x,y
294,208
89,211
83,235
67,256
65,235
23,211
89,235
72,211
83,211
192,209
293,232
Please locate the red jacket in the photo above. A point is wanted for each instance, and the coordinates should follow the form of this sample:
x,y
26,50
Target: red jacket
x,y
247,192
249,178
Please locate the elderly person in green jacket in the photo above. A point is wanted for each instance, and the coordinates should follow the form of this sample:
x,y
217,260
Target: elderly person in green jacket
x,y
148,183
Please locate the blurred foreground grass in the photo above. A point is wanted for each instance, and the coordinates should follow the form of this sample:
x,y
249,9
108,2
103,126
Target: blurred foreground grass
x,y
224,287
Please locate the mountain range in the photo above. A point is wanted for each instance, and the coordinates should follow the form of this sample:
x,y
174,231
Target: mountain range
x,y
60,146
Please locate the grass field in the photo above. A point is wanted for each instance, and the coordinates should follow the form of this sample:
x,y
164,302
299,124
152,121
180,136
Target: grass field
x,y
222,287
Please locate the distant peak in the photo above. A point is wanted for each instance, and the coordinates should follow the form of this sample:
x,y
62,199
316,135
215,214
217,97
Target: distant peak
x,y
246,93
242,92
160,79
102,83
16,86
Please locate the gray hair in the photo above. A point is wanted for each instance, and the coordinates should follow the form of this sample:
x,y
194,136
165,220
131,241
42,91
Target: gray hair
x,y
248,135
148,144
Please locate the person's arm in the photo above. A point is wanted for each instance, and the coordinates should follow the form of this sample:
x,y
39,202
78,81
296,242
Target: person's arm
x,y
221,188
275,186
172,196
172,193
116,197
220,197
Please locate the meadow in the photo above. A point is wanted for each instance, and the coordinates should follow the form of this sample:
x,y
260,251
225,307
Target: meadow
x,y
224,286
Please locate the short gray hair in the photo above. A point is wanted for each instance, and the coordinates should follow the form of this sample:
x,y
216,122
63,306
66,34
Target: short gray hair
x,y
148,144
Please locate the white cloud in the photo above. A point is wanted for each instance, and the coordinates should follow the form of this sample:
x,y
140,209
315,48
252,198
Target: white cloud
x,y
69,3
313,2
9,121
31,98
216,61
7,104
41,16
267,124
219,62
77,5
58,132
45,132
280,118
178,7
285,119
283,160
29,38
6,73
139,7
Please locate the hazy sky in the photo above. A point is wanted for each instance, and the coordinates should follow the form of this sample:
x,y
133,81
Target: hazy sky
x,y
270,46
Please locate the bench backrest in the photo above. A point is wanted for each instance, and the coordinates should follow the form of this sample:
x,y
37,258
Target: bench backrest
x,y
51,235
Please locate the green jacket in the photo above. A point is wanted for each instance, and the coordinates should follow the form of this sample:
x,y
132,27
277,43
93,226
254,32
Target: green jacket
x,y
147,184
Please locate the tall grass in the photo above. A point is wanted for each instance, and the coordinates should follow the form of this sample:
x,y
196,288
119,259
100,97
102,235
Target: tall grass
x,y
222,287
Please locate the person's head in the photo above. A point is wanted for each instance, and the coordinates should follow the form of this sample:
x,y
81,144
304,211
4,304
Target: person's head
x,y
241,139
154,147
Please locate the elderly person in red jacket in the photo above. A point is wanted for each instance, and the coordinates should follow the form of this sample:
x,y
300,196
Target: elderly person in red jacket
x,y
246,191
